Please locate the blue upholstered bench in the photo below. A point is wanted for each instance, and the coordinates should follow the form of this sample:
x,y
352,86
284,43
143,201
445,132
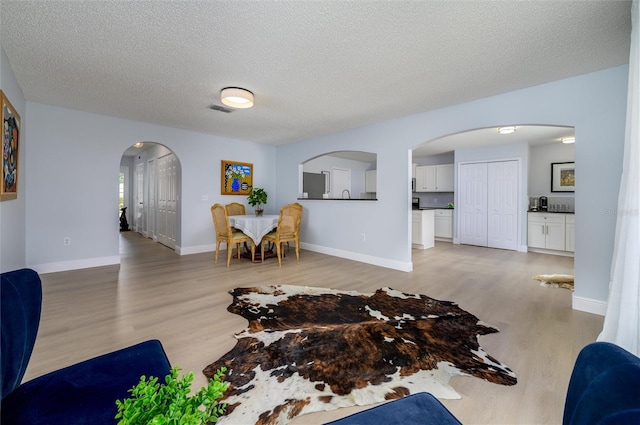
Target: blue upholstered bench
x,y
84,393
604,390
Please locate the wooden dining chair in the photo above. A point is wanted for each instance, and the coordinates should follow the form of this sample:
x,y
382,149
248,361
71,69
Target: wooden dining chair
x,y
225,233
235,208
287,230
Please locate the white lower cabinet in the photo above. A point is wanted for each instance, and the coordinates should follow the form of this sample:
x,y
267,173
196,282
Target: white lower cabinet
x,y
570,233
443,223
422,229
549,231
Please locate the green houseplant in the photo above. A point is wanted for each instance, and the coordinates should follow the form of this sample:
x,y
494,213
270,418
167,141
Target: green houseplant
x,y
257,199
152,403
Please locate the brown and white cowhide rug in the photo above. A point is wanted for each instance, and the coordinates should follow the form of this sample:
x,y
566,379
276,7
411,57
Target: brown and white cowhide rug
x,y
556,280
312,349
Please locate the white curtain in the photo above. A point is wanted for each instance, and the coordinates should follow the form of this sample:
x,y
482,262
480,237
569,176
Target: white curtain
x,y
622,321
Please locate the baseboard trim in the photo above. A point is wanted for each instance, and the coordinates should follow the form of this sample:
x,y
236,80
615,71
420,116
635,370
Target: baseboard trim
x,y
368,259
589,305
63,266
199,249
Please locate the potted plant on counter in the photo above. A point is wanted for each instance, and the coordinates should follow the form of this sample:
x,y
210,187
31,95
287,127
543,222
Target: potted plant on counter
x,y
257,199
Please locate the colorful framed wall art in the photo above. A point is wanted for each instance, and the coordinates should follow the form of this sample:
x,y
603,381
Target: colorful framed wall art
x,y
10,149
236,177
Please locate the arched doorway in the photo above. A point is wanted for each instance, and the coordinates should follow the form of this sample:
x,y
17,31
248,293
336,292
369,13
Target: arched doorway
x,y
150,174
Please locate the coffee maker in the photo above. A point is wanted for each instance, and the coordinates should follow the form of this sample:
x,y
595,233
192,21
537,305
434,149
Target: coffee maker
x,y
543,203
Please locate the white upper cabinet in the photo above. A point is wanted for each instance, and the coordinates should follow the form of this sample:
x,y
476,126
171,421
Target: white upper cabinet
x,y
370,185
444,178
434,178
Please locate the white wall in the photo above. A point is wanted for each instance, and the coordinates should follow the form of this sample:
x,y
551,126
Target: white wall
x,y
594,104
74,160
12,212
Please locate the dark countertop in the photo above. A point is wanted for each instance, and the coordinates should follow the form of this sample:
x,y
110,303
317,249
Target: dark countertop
x,y
436,208
553,212
337,199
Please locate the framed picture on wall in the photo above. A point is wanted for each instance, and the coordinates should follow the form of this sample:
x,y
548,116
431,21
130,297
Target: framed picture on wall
x,y
10,149
563,177
236,178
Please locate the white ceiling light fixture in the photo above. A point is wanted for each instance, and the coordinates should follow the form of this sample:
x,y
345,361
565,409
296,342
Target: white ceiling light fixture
x,y
507,130
568,139
236,97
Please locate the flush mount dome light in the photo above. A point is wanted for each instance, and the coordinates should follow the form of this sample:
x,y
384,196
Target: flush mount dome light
x,y
568,139
236,97
507,130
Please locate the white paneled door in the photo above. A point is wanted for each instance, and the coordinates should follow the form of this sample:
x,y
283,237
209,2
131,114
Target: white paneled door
x,y
167,200
151,199
472,204
502,204
488,204
138,217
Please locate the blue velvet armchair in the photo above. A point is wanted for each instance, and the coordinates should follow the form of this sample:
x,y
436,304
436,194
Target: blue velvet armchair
x,y
84,393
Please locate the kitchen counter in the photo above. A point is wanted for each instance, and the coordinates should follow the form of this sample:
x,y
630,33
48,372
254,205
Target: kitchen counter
x,y
552,212
337,199
435,208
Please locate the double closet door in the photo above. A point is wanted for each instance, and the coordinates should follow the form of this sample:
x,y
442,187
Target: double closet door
x,y
488,204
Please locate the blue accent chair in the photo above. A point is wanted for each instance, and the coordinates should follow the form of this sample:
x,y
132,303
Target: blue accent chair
x,y
84,393
604,390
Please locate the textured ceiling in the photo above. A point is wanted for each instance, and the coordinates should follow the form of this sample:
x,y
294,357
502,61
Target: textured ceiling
x,y
315,67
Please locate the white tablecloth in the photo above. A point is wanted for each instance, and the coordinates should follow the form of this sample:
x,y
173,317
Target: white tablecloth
x,y
253,226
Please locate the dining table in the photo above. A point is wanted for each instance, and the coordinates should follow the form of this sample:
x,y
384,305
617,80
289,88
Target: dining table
x,y
256,227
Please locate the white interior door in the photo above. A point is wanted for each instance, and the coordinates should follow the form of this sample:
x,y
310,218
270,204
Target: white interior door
x,y
151,199
472,201
139,213
502,204
340,182
167,200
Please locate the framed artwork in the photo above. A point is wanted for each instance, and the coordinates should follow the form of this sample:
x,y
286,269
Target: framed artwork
x,y
236,178
10,148
563,177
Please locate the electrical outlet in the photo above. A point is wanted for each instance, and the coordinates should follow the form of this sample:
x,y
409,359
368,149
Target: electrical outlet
x,y
66,241
364,237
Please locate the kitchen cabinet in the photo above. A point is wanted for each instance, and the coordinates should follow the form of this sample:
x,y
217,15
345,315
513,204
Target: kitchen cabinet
x,y
570,233
434,178
370,184
546,231
443,224
422,229
444,178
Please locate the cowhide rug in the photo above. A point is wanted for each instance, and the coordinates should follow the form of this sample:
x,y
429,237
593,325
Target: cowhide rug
x,y
556,280
312,349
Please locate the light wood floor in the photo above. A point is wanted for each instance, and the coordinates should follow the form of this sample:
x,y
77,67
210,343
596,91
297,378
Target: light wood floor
x,y
182,300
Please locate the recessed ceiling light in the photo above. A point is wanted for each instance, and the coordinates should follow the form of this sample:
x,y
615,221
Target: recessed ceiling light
x,y
236,97
507,130
571,139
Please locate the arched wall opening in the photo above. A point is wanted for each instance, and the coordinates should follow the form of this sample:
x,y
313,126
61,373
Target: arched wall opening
x,y
535,148
150,185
